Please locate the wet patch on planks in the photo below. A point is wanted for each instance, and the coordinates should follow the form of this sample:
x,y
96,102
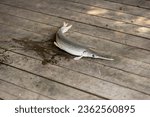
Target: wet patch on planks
x,y
44,49
4,58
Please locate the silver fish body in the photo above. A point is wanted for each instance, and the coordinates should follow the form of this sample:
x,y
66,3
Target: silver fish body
x,y
65,44
73,48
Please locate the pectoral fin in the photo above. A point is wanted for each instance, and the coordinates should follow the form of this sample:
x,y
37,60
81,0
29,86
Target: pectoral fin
x,y
57,45
78,58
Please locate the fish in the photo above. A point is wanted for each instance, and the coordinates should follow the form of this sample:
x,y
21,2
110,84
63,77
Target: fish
x,y
80,51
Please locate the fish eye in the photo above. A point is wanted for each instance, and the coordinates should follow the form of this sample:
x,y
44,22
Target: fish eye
x,y
93,55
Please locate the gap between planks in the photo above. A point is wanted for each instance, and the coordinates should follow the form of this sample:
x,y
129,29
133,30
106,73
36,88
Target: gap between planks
x,y
102,23
81,70
25,28
18,92
103,63
4,95
108,38
115,7
85,94
54,32
104,13
41,86
135,3
108,64
34,71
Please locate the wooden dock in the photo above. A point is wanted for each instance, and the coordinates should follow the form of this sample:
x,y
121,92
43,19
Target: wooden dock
x,y
31,67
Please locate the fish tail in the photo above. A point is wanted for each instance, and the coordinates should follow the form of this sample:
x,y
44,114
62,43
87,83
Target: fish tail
x,y
65,27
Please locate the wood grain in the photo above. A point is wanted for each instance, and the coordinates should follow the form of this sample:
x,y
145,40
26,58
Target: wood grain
x,y
115,7
119,26
33,68
44,88
126,64
137,3
104,13
77,80
11,91
79,27
6,96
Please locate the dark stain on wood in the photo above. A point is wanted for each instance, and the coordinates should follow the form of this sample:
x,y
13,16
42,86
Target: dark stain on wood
x,y
45,49
4,58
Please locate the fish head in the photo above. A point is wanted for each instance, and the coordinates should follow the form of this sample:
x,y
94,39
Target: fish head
x,y
90,53
65,27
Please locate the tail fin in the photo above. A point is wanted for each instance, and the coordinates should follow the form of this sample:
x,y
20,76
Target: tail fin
x,y
65,28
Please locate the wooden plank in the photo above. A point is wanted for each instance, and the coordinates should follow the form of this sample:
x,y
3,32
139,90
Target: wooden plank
x,y
103,72
95,11
84,82
40,97
115,7
16,92
79,27
127,51
137,3
28,25
109,74
45,89
6,96
112,48
125,64
84,18
100,44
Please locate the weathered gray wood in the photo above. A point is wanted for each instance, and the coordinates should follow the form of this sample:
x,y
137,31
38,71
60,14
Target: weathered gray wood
x,y
117,16
16,92
84,18
6,96
137,3
75,79
106,46
110,47
126,64
87,71
28,25
79,27
40,97
116,7
48,89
